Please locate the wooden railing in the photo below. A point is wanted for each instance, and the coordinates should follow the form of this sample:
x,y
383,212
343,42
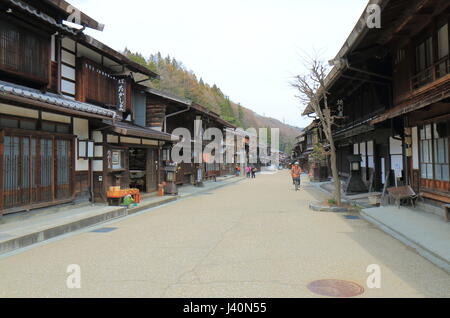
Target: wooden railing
x,y
443,67
431,73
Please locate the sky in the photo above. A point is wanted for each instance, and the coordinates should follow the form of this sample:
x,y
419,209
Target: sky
x,y
251,49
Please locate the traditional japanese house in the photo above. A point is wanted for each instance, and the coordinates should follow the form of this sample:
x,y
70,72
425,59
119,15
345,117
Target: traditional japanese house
x,y
162,108
391,85
306,150
308,139
70,110
38,126
360,90
127,152
167,113
421,95
299,147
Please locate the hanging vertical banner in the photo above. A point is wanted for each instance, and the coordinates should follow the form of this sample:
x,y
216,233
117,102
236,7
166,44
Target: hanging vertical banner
x,y
121,95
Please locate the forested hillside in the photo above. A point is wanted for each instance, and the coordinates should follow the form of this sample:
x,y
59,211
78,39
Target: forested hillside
x,y
176,79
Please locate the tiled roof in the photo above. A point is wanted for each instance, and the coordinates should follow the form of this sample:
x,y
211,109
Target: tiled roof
x,y
53,99
42,16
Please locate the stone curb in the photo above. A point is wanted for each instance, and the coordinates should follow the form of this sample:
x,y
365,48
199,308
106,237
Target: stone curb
x,y
151,205
323,208
423,251
39,236
52,232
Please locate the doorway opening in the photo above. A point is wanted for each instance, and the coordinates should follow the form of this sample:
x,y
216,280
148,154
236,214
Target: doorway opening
x,y
143,167
138,168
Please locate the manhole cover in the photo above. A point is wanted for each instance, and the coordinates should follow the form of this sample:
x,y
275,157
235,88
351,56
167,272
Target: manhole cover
x,y
336,288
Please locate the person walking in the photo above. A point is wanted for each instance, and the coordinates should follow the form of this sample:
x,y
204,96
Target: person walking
x,y
295,172
247,171
254,170
238,170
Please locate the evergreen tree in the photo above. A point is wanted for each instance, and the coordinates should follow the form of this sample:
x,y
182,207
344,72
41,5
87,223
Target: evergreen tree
x,y
176,79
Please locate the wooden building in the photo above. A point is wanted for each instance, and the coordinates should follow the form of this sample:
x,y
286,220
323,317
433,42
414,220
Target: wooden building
x,y
72,115
167,112
392,86
421,96
306,152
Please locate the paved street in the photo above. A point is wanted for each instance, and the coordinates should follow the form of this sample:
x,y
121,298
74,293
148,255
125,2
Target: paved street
x,y
256,238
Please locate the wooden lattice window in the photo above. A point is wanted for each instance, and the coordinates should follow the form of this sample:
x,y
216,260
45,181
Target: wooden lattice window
x,y
435,152
24,53
441,151
426,155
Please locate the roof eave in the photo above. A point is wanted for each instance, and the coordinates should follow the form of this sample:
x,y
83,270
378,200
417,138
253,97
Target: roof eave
x,y
99,46
25,101
68,9
356,36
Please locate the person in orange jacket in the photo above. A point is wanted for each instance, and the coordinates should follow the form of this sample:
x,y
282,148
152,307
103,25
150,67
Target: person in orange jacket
x,y
295,172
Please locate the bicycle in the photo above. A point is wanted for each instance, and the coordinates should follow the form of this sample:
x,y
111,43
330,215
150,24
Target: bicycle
x,y
297,184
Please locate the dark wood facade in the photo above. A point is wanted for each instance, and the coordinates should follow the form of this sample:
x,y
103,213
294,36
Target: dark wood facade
x,y
307,143
44,76
393,91
37,169
24,51
421,92
169,113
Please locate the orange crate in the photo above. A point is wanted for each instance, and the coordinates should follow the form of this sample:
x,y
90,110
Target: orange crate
x,y
117,194
133,191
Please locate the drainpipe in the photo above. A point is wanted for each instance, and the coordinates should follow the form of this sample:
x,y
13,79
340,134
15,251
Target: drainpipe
x,y
405,157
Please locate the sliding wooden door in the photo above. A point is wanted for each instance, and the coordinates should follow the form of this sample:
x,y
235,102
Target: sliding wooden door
x,y
152,170
36,170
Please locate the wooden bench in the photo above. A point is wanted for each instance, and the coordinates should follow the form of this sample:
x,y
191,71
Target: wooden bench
x,y
212,175
403,193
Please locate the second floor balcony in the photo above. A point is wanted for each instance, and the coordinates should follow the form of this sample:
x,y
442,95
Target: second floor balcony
x,y
95,84
431,74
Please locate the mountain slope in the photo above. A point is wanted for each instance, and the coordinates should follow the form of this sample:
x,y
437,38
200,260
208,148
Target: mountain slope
x,y
176,79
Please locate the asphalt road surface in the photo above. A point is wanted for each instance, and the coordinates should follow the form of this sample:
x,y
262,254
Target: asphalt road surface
x,y
256,238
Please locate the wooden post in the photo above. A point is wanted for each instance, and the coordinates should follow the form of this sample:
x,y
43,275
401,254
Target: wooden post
x,y
148,170
30,172
72,166
91,169
104,183
54,168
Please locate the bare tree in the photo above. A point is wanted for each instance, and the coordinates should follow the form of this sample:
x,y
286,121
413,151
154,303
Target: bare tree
x,y
313,94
